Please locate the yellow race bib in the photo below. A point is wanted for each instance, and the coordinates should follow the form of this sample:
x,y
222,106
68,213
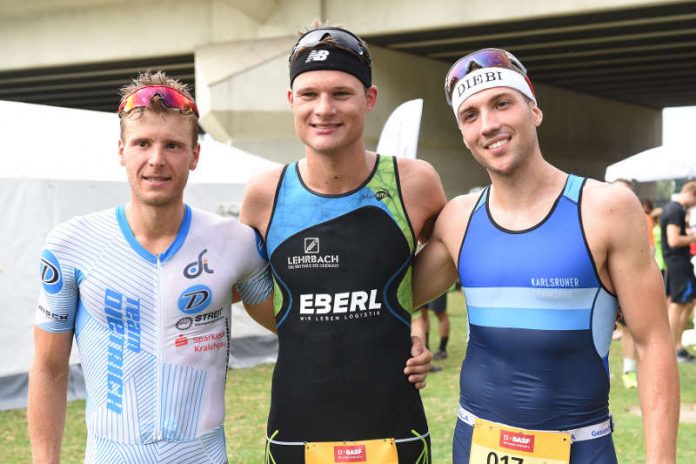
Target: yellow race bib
x,y
382,451
494,443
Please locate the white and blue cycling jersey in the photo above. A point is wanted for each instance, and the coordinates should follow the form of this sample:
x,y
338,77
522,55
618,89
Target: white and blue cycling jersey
x,y
152,331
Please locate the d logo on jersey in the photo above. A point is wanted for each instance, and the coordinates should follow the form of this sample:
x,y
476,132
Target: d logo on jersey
x,y
51,278
195,299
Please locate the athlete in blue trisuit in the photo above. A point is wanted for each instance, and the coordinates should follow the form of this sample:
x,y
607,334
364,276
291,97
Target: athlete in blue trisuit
x,y
341,226
146,289
543,257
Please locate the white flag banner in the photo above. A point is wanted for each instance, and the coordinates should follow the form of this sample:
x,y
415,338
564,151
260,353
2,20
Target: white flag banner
x,y
399,135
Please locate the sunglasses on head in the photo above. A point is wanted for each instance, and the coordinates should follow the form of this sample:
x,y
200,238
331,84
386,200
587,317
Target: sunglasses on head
x,y
170,97
333,37
486,58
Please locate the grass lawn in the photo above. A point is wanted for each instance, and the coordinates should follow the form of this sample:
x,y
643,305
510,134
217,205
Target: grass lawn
x,y
248,392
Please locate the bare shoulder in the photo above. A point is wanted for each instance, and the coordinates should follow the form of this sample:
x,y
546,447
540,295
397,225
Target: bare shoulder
x,y
604,198
257,202
452,221
417,173
458,210
611,216
423,194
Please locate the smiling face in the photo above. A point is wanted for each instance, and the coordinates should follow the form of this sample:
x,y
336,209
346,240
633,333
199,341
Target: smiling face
x,y
498,126
330,109
158,152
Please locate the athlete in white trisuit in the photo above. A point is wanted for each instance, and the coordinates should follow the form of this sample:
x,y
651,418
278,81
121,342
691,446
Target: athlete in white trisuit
x,y
146,288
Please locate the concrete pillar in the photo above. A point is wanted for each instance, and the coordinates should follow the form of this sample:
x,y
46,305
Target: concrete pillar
x,y
242,87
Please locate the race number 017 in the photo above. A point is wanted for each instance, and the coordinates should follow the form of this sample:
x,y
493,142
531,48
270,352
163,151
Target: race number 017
x,y
504,459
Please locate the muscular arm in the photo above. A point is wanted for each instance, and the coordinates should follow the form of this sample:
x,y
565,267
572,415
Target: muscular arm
x,y
424,198
433,272
434,269
257,203
48,385
263,313
256,209
636,280
423,195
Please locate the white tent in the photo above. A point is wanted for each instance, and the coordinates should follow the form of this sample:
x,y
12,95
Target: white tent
x,y
58,163
660,163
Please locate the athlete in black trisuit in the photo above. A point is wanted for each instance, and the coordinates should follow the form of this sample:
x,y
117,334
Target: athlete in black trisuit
x,y
341,227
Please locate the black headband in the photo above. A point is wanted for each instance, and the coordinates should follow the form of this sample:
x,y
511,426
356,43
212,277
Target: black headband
x,y
332,58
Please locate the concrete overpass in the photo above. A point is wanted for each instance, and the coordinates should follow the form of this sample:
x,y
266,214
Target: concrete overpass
x,y
603,69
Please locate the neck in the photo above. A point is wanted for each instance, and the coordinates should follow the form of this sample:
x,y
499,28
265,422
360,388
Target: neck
x,y
682,201
155,228
530,183
336,173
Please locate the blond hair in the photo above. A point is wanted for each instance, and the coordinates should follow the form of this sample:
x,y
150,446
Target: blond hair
x,y
156,106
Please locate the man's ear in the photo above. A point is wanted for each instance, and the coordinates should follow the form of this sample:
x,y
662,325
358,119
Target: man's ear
x,y
371,95
121,158
538,115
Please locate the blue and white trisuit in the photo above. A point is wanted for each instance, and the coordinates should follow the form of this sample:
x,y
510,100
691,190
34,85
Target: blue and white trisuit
x,y
540,325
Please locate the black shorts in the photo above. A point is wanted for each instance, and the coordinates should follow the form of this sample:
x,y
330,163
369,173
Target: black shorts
x,y
439,304
680,283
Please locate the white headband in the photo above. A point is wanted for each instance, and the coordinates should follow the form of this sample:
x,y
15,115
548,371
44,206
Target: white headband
x,y
486,78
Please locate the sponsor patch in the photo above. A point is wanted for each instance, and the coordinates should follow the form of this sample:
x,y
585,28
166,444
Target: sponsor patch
x,y
516,441
51,277
350,453
196,268
195,299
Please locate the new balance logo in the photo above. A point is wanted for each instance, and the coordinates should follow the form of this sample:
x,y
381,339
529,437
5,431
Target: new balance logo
x,y
317,55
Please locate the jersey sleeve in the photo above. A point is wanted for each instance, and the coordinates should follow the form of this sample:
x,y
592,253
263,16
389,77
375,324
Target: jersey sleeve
x,y
257,285
674,216
59,295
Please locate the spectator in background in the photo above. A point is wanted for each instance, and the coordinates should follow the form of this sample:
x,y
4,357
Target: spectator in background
x,y
657,239
680,282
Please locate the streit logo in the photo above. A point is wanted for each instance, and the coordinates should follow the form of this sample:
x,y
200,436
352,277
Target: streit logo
x,y
317,55
311,245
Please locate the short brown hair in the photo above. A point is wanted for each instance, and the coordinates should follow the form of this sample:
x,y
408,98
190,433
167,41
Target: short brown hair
x,y
156,78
